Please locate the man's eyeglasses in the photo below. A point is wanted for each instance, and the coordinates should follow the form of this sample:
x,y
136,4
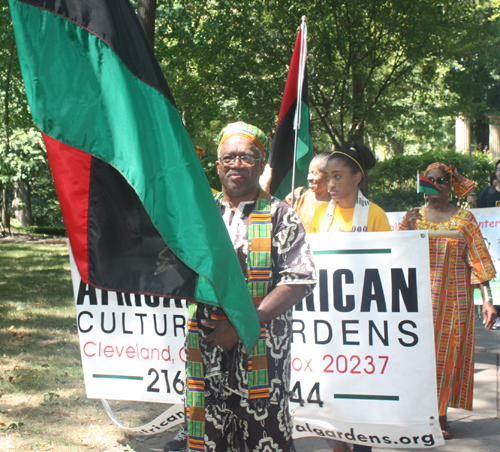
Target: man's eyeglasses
x,y
245,160
439,180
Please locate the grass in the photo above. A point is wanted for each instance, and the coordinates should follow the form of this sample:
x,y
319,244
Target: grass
x,y
43,405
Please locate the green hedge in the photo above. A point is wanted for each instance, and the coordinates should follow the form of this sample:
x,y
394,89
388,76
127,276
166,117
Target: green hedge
x,y
57,231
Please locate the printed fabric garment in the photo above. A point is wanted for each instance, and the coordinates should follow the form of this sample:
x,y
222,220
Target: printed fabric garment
x,y
456,264
305,204
231,417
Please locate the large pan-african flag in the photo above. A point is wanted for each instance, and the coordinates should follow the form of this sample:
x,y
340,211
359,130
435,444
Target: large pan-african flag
x,y
138,209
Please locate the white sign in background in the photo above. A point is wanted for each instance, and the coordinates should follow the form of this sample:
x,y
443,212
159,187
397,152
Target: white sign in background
x,y
363,366
488,220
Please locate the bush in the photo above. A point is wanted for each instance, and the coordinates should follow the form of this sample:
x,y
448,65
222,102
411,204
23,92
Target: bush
x,y
392,183
58,231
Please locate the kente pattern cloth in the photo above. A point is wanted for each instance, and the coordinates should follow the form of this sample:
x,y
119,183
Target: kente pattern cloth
x,y
305,204
230,415
259,274
456,264
259,247
195,384
254,134
461,185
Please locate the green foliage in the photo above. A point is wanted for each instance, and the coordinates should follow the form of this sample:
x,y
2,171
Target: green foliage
x,y
45,206
392,183
377,70
210,167
475,75
19,114
26,160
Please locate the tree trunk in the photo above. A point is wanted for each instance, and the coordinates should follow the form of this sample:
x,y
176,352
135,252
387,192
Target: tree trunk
x,y
5,211
396,146
146,10
185,118
5,194
22,203
356,129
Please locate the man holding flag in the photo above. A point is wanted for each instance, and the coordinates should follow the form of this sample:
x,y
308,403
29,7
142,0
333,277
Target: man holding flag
x,y
236,395
121,157
141,218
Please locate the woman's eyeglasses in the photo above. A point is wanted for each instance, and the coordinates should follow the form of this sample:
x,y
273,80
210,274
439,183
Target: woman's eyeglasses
x,y
439,180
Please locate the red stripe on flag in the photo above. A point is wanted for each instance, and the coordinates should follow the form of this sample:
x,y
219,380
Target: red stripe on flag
x,y
425,185
292,80
71,171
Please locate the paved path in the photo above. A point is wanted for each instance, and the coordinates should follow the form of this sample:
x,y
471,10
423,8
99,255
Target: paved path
x,y
476,431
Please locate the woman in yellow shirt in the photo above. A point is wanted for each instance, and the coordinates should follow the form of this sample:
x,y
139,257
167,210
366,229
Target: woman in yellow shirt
x,y
349,210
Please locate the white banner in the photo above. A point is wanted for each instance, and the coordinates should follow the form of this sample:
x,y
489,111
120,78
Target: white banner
x,y
363,366
132,345
488,220
363,350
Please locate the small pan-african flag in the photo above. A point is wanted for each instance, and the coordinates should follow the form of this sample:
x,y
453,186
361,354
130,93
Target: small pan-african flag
x,y
424,185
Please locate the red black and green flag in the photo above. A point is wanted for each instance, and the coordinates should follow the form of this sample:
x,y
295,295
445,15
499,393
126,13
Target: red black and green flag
x,y
424,185
137,206
293,119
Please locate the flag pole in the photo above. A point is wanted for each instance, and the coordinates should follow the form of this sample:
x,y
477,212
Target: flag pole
x,y
296,124
418,186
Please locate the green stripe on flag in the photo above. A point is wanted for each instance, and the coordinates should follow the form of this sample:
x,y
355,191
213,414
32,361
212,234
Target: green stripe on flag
x,y
286,184
304,142
304,157
428,190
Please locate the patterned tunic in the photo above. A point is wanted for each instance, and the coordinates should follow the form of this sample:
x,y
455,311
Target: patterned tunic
x,y
305,204
456,264
231,417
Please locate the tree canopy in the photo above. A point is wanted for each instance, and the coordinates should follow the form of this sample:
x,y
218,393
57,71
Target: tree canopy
x,y
371,64
392,73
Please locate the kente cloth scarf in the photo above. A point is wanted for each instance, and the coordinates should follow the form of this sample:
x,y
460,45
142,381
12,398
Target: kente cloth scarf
x,y
461,185
359,218
195,384
259,274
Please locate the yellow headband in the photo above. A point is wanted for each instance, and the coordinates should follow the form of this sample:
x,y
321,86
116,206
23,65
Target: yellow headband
x,y
352,158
